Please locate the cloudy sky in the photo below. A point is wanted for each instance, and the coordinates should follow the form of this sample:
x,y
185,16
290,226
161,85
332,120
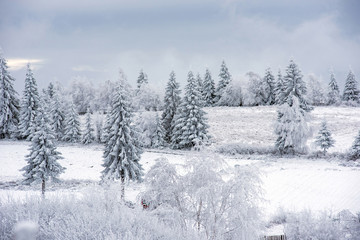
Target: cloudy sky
x,y
92,39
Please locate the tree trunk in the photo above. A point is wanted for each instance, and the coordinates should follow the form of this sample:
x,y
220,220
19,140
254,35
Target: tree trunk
x,y
43,188
122,186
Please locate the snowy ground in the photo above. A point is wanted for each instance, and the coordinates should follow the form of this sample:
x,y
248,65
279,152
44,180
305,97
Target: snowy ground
x,y
293,183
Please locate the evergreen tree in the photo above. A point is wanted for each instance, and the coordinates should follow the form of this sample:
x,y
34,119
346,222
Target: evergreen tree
x,y
42,162
142,79
334,93
98,130
324,139
106,127
51,90
190,127
355,149
200,85
291,127
57,116
279,89
88,136
225,79
122,150
72,126
157,140
351,92
9,102
294,85
29,105
208,89
269,88
171,104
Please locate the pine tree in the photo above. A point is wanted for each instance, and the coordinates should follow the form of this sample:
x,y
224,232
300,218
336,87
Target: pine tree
x,y
334,93
142,79
157,140
294,85
208,89
291,127
88,136
72,126
57,114
106,127
225,79
51,90
122,150
279,89
269,88
171,104
29,105
351,92
200,85
42,162
324,139
190,127
355,149
9,103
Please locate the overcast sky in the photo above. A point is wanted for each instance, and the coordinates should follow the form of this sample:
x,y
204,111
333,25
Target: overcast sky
x,y
93,39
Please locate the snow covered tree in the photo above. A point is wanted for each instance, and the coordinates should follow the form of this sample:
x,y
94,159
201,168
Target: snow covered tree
x,y
29,105
200,86
232,95
279,88
171,104
98,129
324,139
106,126
254,90
82,93
190,125
42,162
122,149
72,125
146,99
142,79
291,127
159,134
294,85
50,90
351,91
355,149
88,136
268,88
316,93
333,93
225,79
9,102
57,114
208,89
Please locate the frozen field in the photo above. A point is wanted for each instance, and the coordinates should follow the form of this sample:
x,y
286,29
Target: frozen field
x,y
293,183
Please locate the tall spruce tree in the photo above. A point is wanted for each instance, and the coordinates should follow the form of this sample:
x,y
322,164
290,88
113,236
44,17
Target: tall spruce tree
x,y
29,105
225,79
355,148
106,127
334,93
171,103
9,102
142,79
157,140
190,125
279,88
57,114
200,83
324,139
351,91
42,161
72,125
294,85
88,136
208,89
122,150
270,85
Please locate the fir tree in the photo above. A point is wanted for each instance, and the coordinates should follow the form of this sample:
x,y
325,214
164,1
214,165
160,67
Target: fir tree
x,y
42,162
351,92
225,79
29,105
324,139
208,89
72,126
171,104
269,82
57,116
355,149
157,140
50,90
279,89
9,102
294,85
98,130
291,127
88,136
190,127
142,79
122,150
106,127
200,85
334,93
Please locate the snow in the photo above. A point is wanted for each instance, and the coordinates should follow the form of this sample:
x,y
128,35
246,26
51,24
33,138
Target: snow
x,y
294,183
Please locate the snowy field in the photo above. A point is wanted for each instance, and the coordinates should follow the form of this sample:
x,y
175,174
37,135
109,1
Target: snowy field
x,y
293,183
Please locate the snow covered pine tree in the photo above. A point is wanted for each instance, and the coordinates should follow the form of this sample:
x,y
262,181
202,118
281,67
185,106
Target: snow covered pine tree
x,y
269,85
225,79
88,136
279,88
142,79
351,91
355,149
57,116
190,127
171,103
208,89
9,103
72,125
157,140
122,148
334,93
324,139
43,158
29,105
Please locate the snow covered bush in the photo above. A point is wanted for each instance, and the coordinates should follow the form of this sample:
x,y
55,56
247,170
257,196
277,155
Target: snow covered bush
x,y
232,95
241,148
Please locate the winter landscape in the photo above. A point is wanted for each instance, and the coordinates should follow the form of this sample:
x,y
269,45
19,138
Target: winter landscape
x,y
178,146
